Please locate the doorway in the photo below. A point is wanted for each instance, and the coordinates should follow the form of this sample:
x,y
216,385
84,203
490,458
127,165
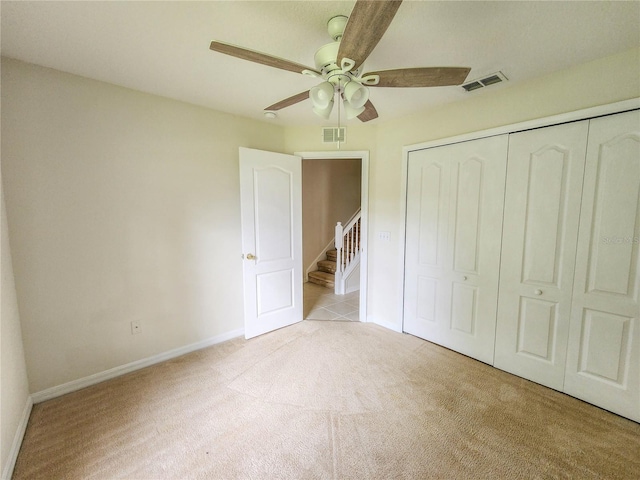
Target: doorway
x,y
324,303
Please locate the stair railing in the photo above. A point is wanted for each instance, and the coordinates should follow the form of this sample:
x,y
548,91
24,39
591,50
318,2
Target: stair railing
x,y
347,242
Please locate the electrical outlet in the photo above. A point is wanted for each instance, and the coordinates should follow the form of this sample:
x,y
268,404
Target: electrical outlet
x,y
135,328
384,236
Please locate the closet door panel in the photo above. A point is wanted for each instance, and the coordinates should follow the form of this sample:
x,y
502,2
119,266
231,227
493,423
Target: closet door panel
x,y
475,225
455,198
468,190
542,208
603,362
426,294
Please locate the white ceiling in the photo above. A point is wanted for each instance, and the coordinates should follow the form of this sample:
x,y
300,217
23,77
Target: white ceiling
x,y
163,47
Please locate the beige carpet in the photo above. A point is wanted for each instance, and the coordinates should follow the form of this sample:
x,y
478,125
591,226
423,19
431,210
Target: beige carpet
x,y
325,400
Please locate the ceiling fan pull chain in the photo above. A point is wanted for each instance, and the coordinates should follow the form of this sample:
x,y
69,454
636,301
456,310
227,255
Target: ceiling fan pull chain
x,y
339,93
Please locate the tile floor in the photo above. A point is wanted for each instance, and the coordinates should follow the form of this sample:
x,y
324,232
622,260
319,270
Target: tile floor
x,y
320,303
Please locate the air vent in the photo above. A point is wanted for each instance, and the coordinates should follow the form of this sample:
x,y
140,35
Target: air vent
x,y
334,134
485,82
472,86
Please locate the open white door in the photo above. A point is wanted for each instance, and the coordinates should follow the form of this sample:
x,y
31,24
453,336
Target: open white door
x,y
271,207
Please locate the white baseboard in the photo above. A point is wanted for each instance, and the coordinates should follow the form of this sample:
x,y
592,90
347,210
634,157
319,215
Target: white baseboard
x,y
7,472
80,383
383,323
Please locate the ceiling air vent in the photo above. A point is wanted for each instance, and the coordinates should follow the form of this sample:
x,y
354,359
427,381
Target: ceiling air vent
x,y
334,134
472,86
485,82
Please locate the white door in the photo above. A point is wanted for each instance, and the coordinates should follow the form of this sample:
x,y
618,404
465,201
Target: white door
x,y
542,207
455,196
603,357
271,208
426,255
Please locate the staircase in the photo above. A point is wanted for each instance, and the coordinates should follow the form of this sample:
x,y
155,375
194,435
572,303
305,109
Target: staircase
x,y
350,239
326,273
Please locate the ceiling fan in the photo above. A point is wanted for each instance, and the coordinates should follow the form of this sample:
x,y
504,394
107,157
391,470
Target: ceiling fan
x,y
339,64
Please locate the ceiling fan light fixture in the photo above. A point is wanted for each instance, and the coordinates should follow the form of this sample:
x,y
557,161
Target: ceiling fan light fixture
x,y
340,65
322,95
351,111
356,94
324,112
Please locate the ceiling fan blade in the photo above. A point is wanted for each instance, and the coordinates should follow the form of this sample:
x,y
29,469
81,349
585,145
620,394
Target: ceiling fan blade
x,y
258,57
421,77
287,102
366,25
369,113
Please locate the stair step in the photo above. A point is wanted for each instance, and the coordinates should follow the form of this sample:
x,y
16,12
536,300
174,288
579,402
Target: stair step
x,y
328,266
332,255
322,278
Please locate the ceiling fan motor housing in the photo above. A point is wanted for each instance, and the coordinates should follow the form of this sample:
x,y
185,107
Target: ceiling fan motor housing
x,y
326,62
325,57
336,26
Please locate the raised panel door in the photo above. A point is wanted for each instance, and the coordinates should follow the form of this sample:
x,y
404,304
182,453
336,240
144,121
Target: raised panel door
x,y
455,197
426,243
542,207
270,189
603,360
478,172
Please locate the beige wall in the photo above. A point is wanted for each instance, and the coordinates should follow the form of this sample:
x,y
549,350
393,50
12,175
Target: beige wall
x,y
124,206
599,82
330,194
14,389
121,206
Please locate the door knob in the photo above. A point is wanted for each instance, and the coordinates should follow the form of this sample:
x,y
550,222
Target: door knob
x,y
251,256
464,277
538,292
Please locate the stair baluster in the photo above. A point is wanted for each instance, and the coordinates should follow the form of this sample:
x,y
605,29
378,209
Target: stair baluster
x,y
348,248
339,243
333,271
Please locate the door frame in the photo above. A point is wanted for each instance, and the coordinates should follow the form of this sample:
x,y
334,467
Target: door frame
x,y
583,114
363,155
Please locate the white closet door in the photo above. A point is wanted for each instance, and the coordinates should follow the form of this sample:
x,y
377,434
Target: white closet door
x,y
542,207
454,220
603,360
426,293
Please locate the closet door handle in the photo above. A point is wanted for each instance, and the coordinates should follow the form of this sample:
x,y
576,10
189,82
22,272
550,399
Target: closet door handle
x,y
538,292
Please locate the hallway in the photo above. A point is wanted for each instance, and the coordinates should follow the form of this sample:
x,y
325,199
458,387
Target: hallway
x,y
320,303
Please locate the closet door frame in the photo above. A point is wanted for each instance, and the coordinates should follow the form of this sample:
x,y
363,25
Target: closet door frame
x,y
584,114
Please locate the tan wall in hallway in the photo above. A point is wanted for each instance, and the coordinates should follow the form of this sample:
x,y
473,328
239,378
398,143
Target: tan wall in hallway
x,y
330,193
